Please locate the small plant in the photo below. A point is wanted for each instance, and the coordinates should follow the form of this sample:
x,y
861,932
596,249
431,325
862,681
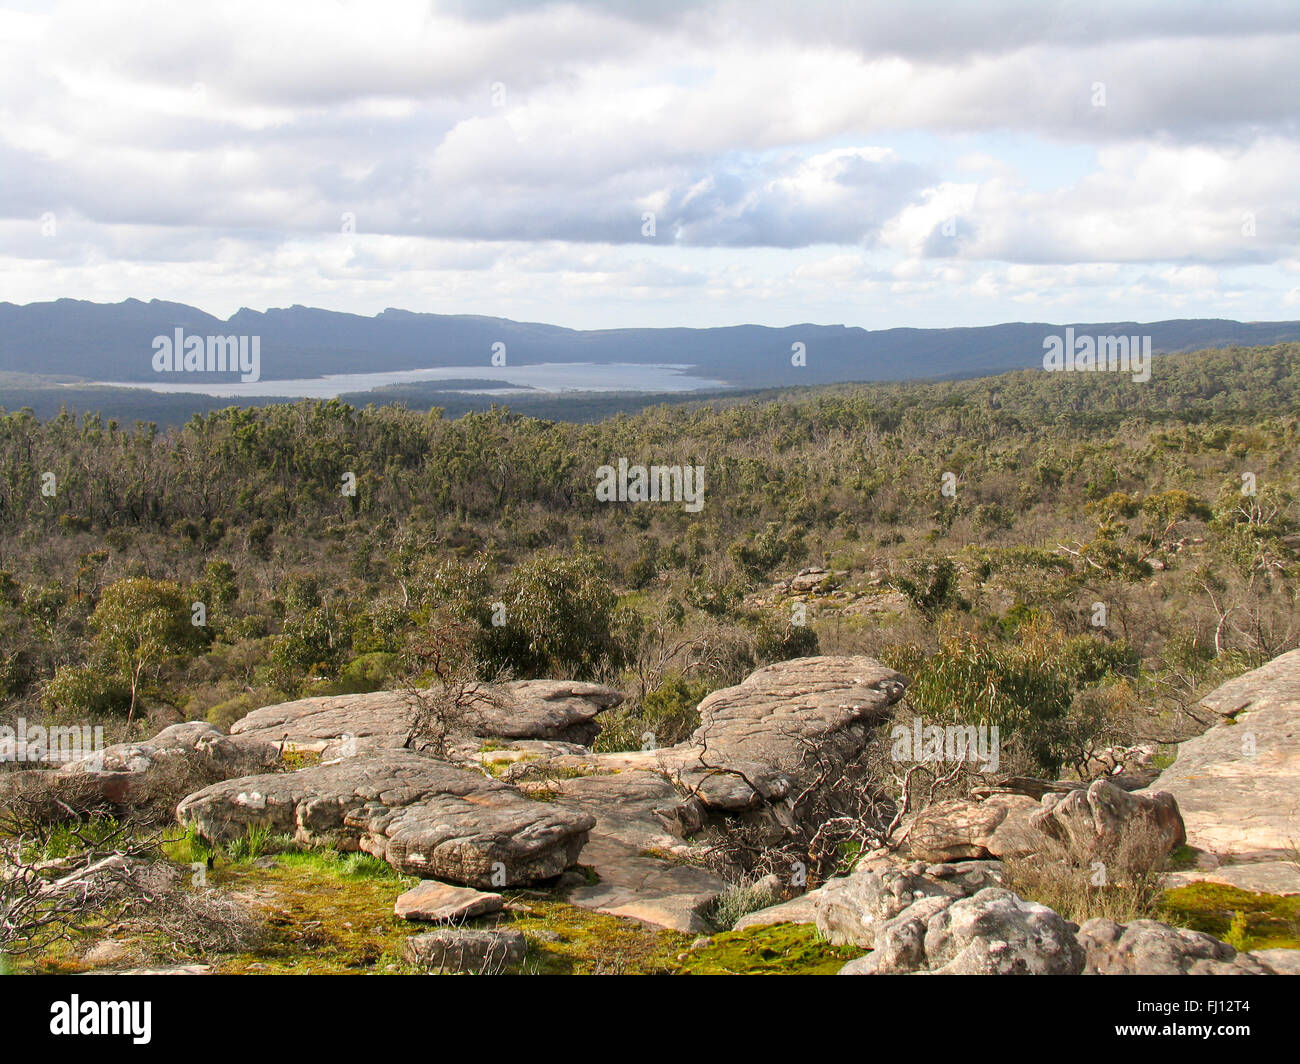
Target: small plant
x,y
739,899
1238,931
249,847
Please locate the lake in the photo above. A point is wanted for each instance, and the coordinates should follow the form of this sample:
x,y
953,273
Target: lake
x,y
542,377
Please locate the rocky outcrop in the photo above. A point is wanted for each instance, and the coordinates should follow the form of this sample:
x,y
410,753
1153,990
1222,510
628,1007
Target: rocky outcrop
x,y
1012,821
1275,683
1147,947
754,748
425,817
755,739
192,740
129,778
560,710
1238,784
993,932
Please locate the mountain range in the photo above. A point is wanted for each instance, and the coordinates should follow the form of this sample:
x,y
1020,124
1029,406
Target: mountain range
x,y
74,339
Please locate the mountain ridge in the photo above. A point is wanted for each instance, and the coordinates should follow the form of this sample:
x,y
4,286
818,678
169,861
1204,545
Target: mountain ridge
x,y
113,342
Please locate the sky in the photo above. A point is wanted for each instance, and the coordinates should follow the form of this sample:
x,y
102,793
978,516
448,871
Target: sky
x,y
627,163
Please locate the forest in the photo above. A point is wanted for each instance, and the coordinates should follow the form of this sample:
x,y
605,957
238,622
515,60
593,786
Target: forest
x,y
1073,557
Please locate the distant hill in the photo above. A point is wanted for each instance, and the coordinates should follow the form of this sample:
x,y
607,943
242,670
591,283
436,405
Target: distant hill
x,y
113,342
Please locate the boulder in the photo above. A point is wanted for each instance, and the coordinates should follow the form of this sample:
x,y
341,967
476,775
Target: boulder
x,y
461,949
425,817
993,932
966,829
849,909
1104,813
437,903
1148,947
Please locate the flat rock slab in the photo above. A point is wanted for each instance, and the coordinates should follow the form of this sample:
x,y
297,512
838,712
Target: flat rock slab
x,y
639,814
1238,785
424,817
460,949
1260,877
755,739
1274,683
441,903
559,710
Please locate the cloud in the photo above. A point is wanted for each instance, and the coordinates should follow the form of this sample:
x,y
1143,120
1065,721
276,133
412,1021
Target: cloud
x,y
815,154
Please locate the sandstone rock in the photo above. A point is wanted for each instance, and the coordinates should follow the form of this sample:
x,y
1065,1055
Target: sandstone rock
x,y
1148,947
1281,961
437,903
460,949
192,739
813,579
425,817
1275,683
175,969
1238,785
127,777
561,710
964,829
800,910
993,932
1104,812
1259,877
639,815
849,909
754,739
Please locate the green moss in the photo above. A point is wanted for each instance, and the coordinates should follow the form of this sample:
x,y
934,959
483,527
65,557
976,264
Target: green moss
x,y
1252,921
780,949
564,939
326,913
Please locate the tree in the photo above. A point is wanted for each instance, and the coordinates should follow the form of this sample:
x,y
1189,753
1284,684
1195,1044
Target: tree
x,y
560,620
140,623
